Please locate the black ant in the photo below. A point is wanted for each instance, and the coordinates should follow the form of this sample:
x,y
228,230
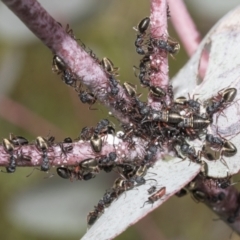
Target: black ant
x,y
17,140
149,157
9,148
136,173
228,149
12,165
86,97
217,103
214,141
193,104
64,172
86,133
198,195
145,81
107,163
121,185
88,176
171,46
100,206
59,66
96,143
74,174
104,127
92,217
182,192
225,182
108,66
190,152
157,92
66,149
130,89
113,85
69,78
109,197
143,25
43,145
89,165
141,28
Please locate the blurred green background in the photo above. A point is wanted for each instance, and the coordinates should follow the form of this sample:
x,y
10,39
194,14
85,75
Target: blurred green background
x,y
34,101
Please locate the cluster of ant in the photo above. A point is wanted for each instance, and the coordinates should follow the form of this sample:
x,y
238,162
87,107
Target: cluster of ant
x,y
13,147
9,146
179,121
89,167
131,173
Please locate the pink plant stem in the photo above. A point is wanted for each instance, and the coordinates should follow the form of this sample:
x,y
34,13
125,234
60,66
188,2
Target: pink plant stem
x,y
159,31
184,26
81,151
226,208
24,118
187,32
86,68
